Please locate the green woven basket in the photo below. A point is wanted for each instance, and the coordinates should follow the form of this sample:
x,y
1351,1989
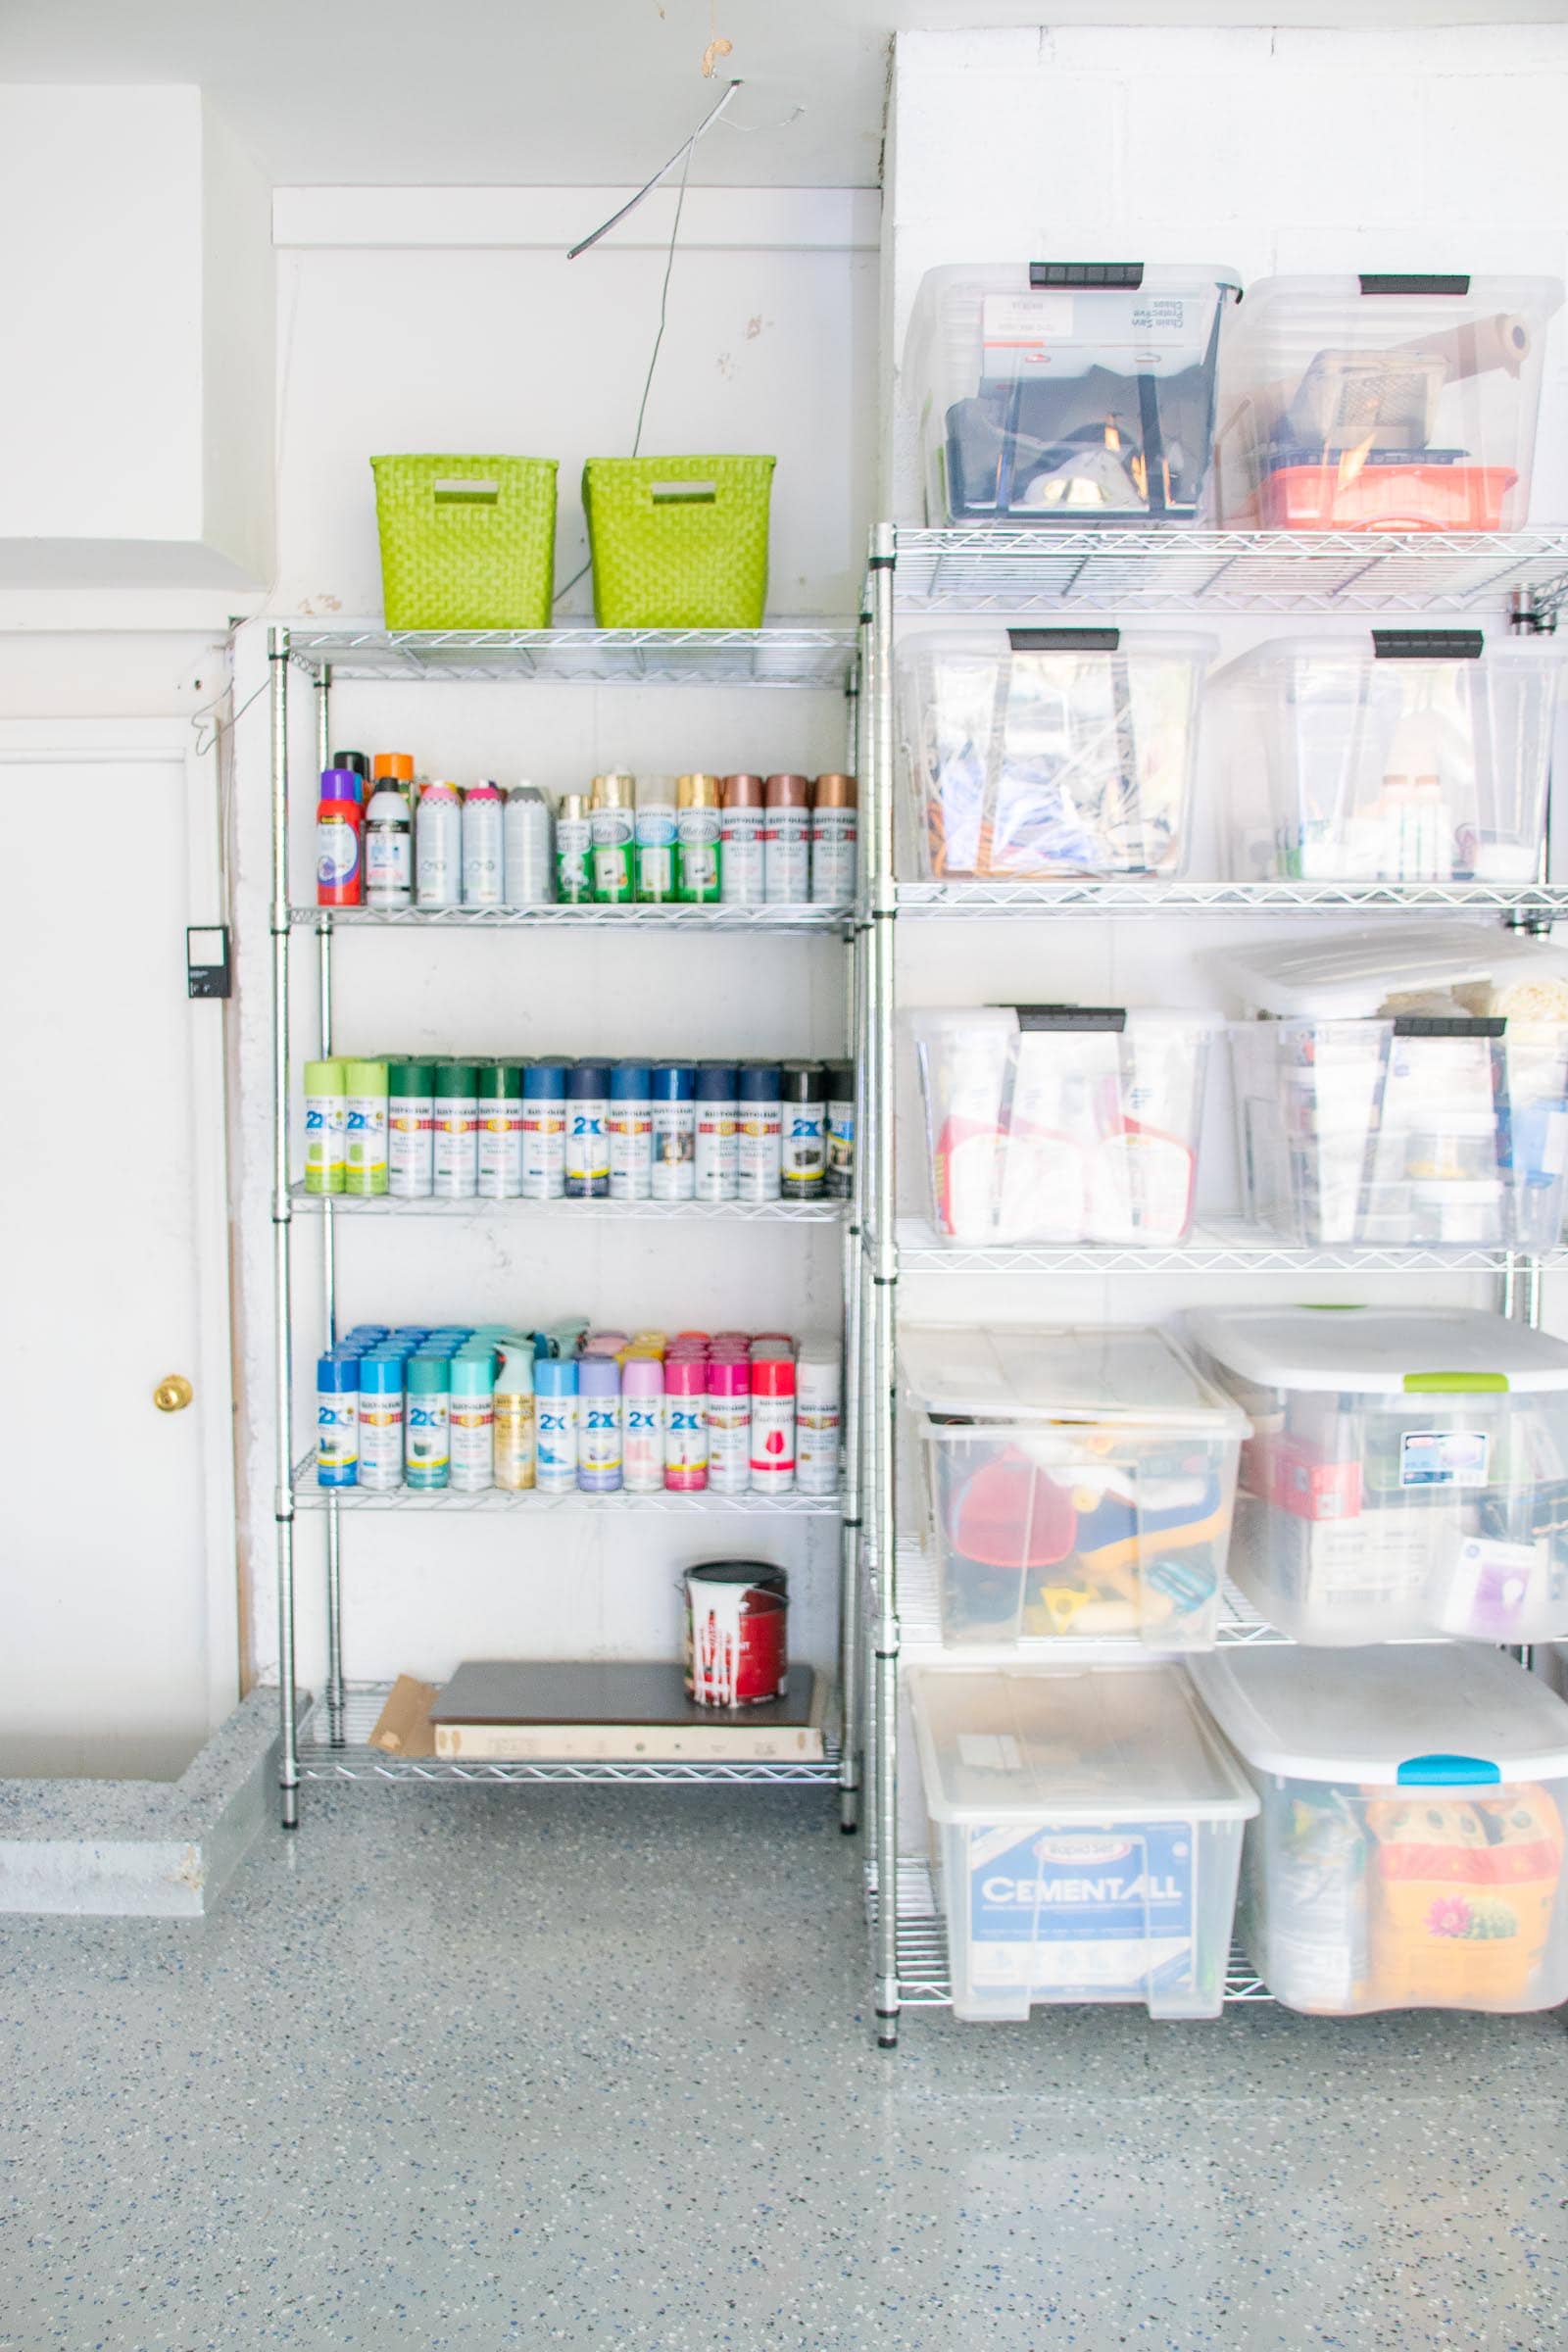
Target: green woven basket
x,y
678,543
466,543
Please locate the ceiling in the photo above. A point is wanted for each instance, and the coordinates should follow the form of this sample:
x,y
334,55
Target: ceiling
x,y
569,92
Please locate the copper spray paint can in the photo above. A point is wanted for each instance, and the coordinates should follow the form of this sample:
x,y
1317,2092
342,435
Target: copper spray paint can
x,y
741,878
737,1634
833,841
787,841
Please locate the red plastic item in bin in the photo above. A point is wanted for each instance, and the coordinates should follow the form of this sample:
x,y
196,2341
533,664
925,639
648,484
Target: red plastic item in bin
x,y
1011,1515
1386,498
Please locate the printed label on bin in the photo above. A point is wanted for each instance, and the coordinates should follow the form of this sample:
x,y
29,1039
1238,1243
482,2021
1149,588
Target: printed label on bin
x,y
1443,1457
1089,1908
1129,333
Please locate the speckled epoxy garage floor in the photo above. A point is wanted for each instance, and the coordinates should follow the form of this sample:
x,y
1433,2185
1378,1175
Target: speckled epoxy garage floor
x,y
592,2068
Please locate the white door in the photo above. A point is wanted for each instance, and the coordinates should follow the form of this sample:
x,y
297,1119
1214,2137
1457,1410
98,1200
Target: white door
x,y
118,1603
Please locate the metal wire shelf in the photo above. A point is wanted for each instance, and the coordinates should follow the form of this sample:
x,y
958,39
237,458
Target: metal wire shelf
x,y
356,1760
999,570
724,1212
921,1642
1133,895
565,916
1227,1247
925,1974
815,655
308,1496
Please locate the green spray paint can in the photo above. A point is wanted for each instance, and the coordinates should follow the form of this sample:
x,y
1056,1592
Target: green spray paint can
x,y
365,1091
574,871
325,1116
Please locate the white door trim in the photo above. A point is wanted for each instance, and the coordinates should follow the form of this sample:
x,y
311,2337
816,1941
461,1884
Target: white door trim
x,y
166,742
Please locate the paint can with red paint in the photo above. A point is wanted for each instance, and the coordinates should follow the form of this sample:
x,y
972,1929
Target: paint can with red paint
x,y
737,1632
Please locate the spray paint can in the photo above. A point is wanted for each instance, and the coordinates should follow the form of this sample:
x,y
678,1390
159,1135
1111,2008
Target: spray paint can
x,y
642,1419
575,868
498,1154
631,1131
484,813
805,1155
528,847
787,841
438,846
698,823
326,1119
833,841
544,1130
426,1435
472,1419
818,1392
599,1469
389,834
741,840
410,1130
729,1426
339,821
772,1425
686,1424
355,761
839,1183
655,840
454,1166
513,1448
337,1418
716,1170
555,1415
381,1420
613,829
759,1129
673,1087
364,1097
587,1138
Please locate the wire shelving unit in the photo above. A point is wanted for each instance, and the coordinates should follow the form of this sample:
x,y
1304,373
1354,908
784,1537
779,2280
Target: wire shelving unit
x,y
1009,575
331,1741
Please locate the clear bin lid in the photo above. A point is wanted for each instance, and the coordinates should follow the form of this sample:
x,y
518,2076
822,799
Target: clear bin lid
x,y
1073,642
1291,655
1103,1374
1426,1715
1352,305
1090,1746
1397,1351
1350,976
932,1021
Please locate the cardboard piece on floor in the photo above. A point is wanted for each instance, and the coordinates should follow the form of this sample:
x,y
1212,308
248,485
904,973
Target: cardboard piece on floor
x,y
501,1711
403,1726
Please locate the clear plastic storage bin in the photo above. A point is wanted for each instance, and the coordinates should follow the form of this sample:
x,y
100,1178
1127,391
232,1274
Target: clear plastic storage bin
x,y
1087,1829
1442,1126
1066,392
1408,1853
1407,1473
1404,756
1381,404
1061,1123
1080,1484
1038,753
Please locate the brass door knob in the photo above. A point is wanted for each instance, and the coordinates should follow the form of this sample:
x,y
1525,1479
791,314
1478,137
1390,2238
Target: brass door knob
x,y
172,1396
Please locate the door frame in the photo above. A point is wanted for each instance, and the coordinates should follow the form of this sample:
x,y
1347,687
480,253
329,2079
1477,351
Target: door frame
x,y
164,743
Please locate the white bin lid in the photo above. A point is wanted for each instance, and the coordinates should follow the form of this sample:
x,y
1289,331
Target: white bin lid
x,y
1349,977
1081,1746
1112,1374
1381,1351
1428,1715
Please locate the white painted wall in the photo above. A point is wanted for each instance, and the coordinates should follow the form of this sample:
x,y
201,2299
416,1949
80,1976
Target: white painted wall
x,y
467,343
135,277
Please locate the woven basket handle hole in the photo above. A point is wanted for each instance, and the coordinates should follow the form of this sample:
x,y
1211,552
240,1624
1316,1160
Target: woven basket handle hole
x,y
683,494
467,494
